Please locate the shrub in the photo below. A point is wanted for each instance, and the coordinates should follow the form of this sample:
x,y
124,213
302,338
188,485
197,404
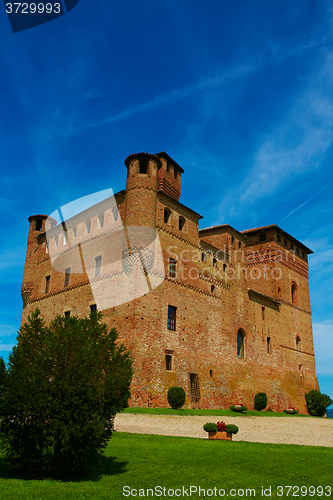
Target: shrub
x,y
232,428
317,402
63,386
176,397
238,408
260,401
210,427
290,411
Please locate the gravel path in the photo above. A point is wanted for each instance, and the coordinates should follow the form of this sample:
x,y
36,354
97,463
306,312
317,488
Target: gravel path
x,y
287,430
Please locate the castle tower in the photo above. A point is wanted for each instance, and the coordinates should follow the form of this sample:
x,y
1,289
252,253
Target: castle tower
x,y
141,190
37,226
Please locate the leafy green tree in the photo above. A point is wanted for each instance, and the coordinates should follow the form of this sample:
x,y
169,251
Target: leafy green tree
x,y
64,384
317,402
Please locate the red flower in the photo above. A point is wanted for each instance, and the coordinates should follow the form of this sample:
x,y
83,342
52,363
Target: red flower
x,y
221,426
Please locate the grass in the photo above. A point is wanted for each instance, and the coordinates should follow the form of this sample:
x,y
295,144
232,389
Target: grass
x,y
219,413
142,461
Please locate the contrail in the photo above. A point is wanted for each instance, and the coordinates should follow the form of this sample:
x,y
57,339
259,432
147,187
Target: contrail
x,y
307,201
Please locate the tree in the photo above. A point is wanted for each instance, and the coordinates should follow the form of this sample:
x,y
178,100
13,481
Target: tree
x,y
64,384
317,402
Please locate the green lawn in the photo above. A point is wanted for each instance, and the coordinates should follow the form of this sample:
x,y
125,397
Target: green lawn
x,y
220,413
145,461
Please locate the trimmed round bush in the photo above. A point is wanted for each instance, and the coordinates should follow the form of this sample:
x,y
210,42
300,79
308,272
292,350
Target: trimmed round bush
x,y
317,402
260,401
210,427
232,408
238,408
232,428
176,397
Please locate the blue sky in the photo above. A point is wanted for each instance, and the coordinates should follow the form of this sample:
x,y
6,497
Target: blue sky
x,y
240,94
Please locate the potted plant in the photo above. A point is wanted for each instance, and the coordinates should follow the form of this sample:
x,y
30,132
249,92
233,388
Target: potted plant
x,y
220,430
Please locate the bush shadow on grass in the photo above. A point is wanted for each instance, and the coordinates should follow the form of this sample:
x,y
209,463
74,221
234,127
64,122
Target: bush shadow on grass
x,y
106,466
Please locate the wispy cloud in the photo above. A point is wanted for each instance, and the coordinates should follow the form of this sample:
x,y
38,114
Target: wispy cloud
x,y
307,201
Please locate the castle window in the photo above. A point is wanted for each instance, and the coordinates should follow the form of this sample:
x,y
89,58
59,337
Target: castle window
x,y
172,317
47,284
279,238
263,313
93,308
168,362
143,167
181,223
297,251
167,214
67,314
298,343
224,267
203,257
285,243
294,293
214,262
172,267
88,226
303,255
291,246
210,373
240,344
262,237
168,167
67,275
98,263
239,244
268,345
115,213
279,291
195,389
38,224
232,240
101,220
212,288
175,173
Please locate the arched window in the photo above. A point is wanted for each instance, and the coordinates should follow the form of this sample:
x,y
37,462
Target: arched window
x,y
240,344
212,288
181,223
167,214
294,298
298,343
203,257
214,262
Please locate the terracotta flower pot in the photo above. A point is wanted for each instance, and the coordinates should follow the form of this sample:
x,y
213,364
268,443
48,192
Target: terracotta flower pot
x,y
220,435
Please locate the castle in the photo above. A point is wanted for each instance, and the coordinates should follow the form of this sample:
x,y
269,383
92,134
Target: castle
x,y
225,314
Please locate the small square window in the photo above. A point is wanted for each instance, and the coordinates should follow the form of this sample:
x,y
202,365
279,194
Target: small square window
x,y
67,314
262,237
172,317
